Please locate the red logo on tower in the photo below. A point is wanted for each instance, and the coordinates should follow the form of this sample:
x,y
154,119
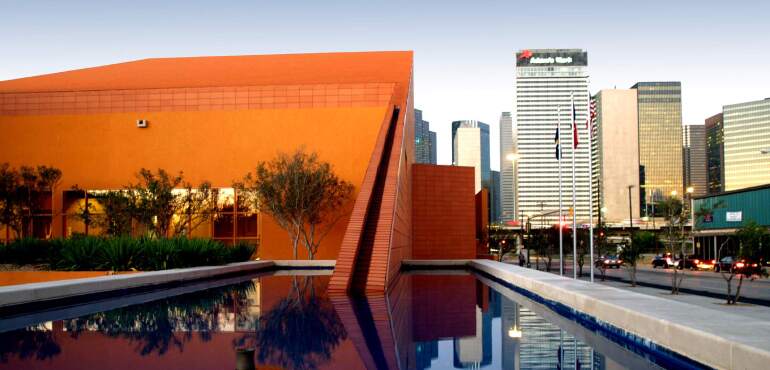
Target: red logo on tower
x,y
526,54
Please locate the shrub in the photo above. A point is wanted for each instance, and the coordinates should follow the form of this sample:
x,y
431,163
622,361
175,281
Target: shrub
x,y
123,253
240,252
25,251
84,253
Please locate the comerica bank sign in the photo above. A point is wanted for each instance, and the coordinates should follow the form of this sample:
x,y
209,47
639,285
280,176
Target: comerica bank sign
x,y
551,57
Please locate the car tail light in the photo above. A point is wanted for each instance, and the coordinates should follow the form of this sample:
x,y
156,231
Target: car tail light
x,y
620,261
753,265
606,261
714,261
668,260
697,262
740,264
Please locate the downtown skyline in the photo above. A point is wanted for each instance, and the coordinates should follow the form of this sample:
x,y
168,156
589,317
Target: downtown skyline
x,y
627,43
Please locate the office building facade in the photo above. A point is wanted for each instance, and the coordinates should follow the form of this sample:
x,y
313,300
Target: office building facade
x,y
694,159
507,183
746,136
470,147
659,106
715,153
494,197
617,164
424,140
546,81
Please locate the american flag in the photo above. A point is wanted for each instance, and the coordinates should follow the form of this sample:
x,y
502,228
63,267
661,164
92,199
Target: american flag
x,y
592,118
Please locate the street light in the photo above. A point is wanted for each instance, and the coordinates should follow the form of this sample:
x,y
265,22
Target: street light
x,y
514,157
674,193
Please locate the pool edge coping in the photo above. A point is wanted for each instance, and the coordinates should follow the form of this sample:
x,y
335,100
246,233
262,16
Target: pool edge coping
x,y
687,341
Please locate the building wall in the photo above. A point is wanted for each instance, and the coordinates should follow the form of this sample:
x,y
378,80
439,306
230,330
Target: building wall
x,y
694,158
507,194
214,118
443,211
543,100
660,138
715,153
746,133
751,203
618,147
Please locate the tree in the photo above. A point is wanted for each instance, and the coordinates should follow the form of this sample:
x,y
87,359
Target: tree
x,y
20,194
632,252
676,216
753,238
196,206
157,198
117,215
152,200
301,193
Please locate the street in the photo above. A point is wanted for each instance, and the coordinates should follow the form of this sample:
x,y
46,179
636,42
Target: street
x,y
695,282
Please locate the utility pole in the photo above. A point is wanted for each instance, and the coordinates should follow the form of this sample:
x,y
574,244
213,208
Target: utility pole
x,y
630,210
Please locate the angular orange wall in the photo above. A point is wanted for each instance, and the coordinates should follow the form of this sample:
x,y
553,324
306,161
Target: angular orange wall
x,y
214,118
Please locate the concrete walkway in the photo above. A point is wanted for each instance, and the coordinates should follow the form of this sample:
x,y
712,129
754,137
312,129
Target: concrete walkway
x,y
711,336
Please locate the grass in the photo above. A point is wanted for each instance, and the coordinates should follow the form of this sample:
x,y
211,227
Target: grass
x,y
123,253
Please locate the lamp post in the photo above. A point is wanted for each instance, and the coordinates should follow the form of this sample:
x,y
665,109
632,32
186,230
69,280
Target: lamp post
x,y
630,210
688,194
514,157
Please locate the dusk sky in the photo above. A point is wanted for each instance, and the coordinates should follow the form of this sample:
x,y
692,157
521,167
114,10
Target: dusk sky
x,y
464,51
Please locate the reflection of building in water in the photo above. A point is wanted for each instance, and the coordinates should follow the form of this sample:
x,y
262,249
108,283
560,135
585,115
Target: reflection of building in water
x,y
425,353
511,333
542,342
476,351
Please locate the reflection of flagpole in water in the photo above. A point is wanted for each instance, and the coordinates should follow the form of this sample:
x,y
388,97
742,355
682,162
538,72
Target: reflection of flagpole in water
x,y
574,346
561,347
593,361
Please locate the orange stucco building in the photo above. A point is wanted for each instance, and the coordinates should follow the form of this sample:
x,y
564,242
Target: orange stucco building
x,y
215,118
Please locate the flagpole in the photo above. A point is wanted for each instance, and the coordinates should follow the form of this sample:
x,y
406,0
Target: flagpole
x,y
574,189
561,239
590,185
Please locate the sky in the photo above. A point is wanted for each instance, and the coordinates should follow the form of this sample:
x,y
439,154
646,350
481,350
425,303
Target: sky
x,y
463,50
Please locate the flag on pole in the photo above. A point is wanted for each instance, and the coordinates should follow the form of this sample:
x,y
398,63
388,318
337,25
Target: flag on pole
x,y
592,118
557,142
574,126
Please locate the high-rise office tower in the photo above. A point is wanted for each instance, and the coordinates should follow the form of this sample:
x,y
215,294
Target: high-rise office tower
x,y
747,144
660,140
546,79
617,164
694,158
715,153
424,140
507,191
433,147
470,147
494,197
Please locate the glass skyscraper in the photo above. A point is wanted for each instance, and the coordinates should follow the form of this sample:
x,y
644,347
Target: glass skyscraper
x,y
694,157
746,135
715,153
660,140
424,140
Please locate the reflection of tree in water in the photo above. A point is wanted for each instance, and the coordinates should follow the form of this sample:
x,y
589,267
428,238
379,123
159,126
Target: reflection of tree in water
x,y
156,326
34,341
300,331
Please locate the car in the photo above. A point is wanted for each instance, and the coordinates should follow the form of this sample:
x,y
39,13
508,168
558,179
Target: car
x,y
608,262
742,266
663,261
693,263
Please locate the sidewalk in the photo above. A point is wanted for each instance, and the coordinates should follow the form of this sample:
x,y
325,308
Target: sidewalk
x,y
744,309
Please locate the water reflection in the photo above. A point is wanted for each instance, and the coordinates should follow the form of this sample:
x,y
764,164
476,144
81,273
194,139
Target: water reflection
x,y
448,321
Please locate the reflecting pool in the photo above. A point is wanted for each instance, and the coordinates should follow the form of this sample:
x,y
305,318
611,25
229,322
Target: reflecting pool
x,y
429,320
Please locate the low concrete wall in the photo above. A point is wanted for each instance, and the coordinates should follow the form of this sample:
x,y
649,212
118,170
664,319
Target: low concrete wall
x,y
714,338
53,290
